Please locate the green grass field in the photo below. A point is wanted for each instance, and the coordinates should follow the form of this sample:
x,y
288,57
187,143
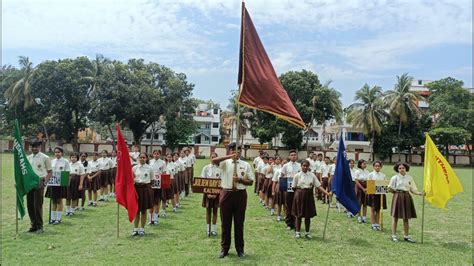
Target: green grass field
x,y
90,236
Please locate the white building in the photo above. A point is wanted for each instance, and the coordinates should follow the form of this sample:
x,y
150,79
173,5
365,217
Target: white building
x,y
419,86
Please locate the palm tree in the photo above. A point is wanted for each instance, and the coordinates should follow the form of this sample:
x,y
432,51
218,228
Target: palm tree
x,y
367,113
20,90
403,103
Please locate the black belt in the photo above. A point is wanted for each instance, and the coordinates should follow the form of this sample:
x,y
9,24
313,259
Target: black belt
x,y
226,189
401,191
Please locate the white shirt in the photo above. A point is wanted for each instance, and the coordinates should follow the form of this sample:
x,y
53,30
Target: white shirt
x,y
114,162
256,161
403,183
142,173
159,166
276,172
227,173
324,170
134,156
60,165
211,171
191,158
268,171
179,166
305,180
376,176
93,166
170,169
185,161
313,164
290,169
319,170
105,163
40,163
77,168
353,174
261,167
332,169
362,175
86,168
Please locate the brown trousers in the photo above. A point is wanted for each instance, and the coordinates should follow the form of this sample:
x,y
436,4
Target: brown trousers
x,y
289,219
34,201
232,206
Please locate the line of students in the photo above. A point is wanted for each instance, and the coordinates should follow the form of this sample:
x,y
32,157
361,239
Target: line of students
x,y
312,180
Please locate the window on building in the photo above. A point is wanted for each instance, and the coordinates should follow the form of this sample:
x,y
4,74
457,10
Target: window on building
x,y
206,138
215,138
155,136
206,125
359,150
216,111
215,125
148,136
420,82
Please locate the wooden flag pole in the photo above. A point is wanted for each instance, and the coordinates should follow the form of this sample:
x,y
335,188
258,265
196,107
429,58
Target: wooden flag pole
x,y
327,216
422,218
16,215
118,210
49,215
381,212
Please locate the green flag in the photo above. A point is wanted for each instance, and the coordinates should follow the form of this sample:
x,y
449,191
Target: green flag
x,y
25,178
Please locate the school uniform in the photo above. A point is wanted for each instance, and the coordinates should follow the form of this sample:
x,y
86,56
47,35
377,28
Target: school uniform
x,y
180,168
289,170
325,178
113,170
85,183
303,202
186,168
94,184
134,157
167,193
280,196
377,201
142,175
41,164
362,176
192,161
210,171
256,161
76,171
332,170
233,202
402,202
158,168
261,175
268,184
105,166
57,193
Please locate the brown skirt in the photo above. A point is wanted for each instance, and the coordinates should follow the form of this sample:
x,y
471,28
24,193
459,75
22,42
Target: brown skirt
x,y
104,178
210,203
374,201
73,192
261,182
56,193
157,195
167,194
303,204
325,183
403,206
145,196
268,187
280,197
175,185
92,185
113,172
360,194
183,180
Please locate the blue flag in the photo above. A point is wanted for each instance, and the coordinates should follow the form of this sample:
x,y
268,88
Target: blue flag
x,y
342,185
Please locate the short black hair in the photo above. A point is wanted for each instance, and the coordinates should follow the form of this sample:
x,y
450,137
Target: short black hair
x,y
293,151
395,167
233,146
58,148
74,154
379,162
305,162
35,142
360,162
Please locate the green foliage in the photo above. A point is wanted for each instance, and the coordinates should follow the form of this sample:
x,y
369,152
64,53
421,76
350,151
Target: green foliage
x,y
179,129
264,127
450,136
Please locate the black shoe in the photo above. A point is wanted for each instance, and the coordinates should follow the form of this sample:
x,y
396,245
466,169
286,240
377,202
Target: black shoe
x,y
223,254
31,230
39,231
241,254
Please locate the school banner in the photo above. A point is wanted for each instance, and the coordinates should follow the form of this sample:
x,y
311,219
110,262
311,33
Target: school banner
x,y
206,185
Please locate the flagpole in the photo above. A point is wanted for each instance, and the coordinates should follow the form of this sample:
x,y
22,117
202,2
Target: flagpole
x,y
118,209
327,216
381,212
422,218
16,215
49,215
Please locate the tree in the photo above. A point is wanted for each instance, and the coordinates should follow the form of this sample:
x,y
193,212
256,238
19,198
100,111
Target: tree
x,y
20,91
264,127
368,112
246,116
450,136
178,130
402,103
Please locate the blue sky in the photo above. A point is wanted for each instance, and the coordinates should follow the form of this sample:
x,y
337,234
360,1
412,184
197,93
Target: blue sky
x,y
347,42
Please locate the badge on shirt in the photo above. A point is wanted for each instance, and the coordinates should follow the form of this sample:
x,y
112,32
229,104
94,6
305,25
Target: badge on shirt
x,y
146,175
39,166
217,175
242,174
75,170
61,168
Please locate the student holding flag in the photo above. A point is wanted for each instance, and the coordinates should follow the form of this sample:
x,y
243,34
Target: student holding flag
x,y
41,165
401,185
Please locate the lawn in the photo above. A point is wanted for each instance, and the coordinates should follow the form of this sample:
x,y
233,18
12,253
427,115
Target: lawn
x,y
90,237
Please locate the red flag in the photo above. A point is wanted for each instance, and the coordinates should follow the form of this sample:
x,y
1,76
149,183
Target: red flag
x,y
124,184
260,87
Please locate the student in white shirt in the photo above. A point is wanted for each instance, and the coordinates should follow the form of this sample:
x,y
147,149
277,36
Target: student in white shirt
x,y
76,180
92,181
142,175
85,163
57,193
158,168
268,186
113,173
376,202
361,176
351,168
261,180
134,155
325,177
186,174
168,193
289,170
256,161
210,201
180,180
278,196
304,206
401,185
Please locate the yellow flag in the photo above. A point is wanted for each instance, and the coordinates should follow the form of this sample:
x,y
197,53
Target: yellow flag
x,y
441,183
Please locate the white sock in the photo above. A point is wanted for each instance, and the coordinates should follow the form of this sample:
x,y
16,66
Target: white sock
x,y
214,228
53,216
155,217
208,227
72,210
59,215
141,229
135,229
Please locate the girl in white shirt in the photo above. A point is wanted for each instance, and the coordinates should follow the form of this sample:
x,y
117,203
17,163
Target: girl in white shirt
x,y
351,168
361,176
168,193
92,181
179,176
402,203
142,175
303,203
113,173
376,202
158,168
84,162
210,201
278,196
268,185
57,193
105,165
76,180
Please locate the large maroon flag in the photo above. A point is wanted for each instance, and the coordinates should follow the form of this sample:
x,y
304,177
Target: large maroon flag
x,y
124,184
260,87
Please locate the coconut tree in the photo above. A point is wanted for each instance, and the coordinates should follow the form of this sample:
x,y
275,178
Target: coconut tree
x,y
403,103
21,90
367,113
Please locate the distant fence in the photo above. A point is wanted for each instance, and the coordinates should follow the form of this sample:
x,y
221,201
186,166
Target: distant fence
x,y
205,151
